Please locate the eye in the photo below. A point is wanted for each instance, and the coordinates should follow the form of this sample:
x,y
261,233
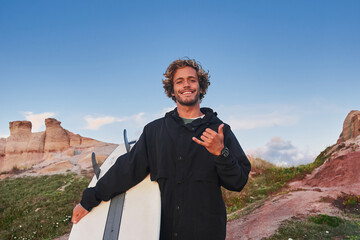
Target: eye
x,y
179,81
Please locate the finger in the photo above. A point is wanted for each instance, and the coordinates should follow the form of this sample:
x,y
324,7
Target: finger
x,y
78,213
206,141
221,129
208,135
79,216
198,141
75,217
210,131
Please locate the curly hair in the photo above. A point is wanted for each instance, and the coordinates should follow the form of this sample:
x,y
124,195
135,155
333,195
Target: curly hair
x,y
181,63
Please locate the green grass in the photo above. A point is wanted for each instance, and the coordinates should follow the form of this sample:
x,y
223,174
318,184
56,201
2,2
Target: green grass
x,y
318,227
38,207
268,180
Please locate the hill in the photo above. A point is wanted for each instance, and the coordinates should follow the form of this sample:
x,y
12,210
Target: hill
x,y
329,190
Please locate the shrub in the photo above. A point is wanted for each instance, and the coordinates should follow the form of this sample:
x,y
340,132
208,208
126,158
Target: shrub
x,y
326,219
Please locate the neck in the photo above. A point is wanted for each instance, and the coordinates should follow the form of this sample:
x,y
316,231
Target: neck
x,y
189,111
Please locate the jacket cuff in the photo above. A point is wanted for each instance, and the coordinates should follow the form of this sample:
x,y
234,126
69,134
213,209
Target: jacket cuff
x,y
89,199
221,160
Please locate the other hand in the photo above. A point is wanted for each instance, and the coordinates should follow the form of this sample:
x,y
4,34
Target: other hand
x,y
78,213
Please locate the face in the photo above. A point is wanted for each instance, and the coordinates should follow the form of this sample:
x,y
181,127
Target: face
x,y
186,86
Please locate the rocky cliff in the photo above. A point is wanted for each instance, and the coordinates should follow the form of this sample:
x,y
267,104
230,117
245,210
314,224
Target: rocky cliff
x,y
351,127
44,151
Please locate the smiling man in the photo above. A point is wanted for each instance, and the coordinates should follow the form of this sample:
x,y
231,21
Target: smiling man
x,y
190,152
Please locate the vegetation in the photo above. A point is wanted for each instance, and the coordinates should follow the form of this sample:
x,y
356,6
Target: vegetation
x,y
351,200
325,219
326,227
38,207
268,179
318,227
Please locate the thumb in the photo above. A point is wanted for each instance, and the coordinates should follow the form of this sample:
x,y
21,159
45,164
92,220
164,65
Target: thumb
x,y
221,129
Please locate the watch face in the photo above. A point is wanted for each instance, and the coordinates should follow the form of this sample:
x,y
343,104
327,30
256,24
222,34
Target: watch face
x,y
225,152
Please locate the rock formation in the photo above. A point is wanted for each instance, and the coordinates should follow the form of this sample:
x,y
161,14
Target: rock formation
x,y
351,126
20,134
56,138
54,146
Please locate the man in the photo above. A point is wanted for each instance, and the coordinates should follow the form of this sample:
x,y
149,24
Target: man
x,y
190,153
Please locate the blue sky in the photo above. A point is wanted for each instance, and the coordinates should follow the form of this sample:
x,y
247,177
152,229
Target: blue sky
x,y
284,74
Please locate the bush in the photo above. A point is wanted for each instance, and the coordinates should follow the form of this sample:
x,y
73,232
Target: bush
x,y
325,219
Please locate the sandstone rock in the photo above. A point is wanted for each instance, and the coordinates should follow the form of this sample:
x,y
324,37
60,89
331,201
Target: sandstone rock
x,y
36,143
351,126
59,167
2,147
75,139
87,142
20,128
78,141
19,161
20,134
56,138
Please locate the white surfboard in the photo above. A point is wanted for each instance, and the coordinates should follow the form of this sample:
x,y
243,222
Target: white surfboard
x,y
140,216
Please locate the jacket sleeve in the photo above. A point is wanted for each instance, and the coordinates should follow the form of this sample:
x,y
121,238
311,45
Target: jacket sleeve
x,y
233,171
128,170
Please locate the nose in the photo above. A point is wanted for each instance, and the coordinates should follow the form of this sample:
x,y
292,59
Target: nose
x,y
186,83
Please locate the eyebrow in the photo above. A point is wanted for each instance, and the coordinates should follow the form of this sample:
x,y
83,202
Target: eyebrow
x,y
183,77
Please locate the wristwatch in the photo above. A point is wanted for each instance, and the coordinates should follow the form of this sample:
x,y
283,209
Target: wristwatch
x,y
225,152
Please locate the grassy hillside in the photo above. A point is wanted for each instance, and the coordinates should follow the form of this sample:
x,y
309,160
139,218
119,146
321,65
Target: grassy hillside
x,y
266,179
38,207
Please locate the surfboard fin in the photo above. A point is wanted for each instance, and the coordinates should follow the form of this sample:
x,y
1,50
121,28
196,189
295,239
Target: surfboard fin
x,y
95,165
127,143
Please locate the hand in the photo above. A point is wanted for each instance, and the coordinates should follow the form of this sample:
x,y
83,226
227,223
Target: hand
x,y
212,141
78,213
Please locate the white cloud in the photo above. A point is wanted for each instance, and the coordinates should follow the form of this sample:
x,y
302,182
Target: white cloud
x,y
261,121
95,123
4,136
162,112
37,120
139,118
282,153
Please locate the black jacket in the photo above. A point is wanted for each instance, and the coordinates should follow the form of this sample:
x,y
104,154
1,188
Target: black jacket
x,y
189,176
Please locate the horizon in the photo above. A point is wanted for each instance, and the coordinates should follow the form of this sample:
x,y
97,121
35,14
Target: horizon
x,y
284,74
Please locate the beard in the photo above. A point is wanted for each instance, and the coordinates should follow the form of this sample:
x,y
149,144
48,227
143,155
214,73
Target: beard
x,y
188,102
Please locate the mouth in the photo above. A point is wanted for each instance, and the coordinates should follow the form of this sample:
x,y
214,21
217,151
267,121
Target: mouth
x,y
187,92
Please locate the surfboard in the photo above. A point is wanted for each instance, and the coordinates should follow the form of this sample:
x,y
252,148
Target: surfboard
x,y
133,215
